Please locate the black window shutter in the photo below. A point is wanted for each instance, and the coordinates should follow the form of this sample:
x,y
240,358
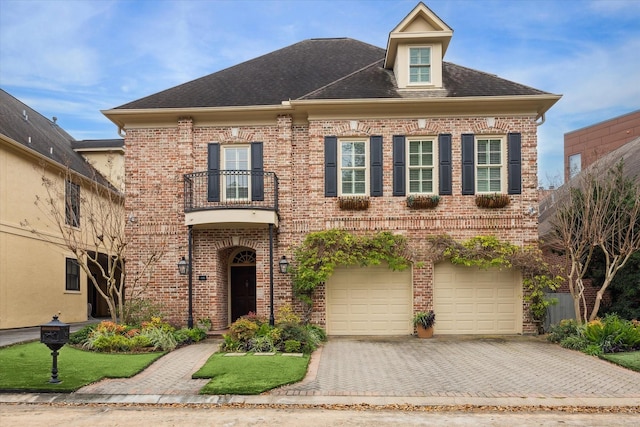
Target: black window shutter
x,y
330,166
376,165
257,172
468,163
213,181
514,162
399,170
444,167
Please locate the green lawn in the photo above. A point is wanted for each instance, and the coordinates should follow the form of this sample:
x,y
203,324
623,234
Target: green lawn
x,y
27,367
630,360
250,374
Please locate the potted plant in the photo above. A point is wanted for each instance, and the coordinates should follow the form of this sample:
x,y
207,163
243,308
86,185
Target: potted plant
x,y
492,201
353,203
423,322
422,202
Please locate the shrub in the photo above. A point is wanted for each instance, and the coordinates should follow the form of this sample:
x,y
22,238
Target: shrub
x,y
136,310
139,342
261,344
244,329
574,342
81,335
286,314
566,328
292,346
230,344
160,338
612,334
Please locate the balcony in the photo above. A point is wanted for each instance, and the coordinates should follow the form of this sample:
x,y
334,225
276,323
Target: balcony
x,y
231,198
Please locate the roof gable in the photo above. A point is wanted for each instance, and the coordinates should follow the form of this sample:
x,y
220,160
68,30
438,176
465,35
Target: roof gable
x,y
419,26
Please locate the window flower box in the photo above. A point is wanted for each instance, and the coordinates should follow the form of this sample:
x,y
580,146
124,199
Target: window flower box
x,y
353,203
492,201
422,202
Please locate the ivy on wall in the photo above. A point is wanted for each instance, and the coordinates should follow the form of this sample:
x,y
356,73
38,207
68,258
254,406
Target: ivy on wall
x,y
322,251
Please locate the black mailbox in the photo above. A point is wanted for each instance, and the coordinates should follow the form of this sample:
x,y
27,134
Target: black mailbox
x,y
54,335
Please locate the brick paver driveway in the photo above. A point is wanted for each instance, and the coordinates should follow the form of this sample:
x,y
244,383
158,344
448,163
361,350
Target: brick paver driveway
x,y
459,366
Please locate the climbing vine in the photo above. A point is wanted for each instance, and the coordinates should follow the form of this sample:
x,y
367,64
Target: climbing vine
x,y
322,251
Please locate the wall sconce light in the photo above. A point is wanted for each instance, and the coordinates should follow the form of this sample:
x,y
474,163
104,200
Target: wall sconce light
x,y
183,266
284,265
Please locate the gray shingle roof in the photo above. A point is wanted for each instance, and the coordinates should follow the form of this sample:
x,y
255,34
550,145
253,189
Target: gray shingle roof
x,y
26,126
318,69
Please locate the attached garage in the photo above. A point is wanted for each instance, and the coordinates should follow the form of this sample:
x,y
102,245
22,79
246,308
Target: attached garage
x,y
469,300
369,301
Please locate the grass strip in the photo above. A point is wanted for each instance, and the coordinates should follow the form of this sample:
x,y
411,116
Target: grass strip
x,y
27,367
629,360
250,374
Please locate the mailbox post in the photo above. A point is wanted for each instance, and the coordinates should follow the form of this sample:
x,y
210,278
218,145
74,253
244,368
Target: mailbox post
x,y
54,335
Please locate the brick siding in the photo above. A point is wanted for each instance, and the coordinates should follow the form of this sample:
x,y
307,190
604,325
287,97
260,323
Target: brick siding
x,y
157,158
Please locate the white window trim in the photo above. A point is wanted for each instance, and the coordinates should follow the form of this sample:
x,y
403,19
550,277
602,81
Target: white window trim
x,y
367,166
503,163
434,141
414,84
223,163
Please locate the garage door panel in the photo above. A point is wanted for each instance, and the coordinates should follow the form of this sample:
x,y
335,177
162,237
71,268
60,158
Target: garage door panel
x,y
378,301
468,300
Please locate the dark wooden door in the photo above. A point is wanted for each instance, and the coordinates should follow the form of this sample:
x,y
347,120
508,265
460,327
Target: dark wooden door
x,y
243,291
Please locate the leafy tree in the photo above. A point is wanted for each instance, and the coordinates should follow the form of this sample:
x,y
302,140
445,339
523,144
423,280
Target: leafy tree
x,y
600,211
624,289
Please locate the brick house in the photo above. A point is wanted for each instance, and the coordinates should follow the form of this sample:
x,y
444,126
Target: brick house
x,y
235,168
584,146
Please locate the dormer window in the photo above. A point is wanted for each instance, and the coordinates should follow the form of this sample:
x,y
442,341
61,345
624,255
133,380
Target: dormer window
x,y
419,65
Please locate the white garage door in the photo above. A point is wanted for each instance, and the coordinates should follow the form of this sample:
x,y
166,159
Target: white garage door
x,y
369,301
468,300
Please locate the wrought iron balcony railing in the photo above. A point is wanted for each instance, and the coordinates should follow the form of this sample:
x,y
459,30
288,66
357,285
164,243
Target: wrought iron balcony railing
x,y
230,189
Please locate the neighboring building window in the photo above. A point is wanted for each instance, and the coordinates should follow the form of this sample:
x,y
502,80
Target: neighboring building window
x,y
73,275
236,170
72,204
353,167
420,164
419,65
575,165
489,165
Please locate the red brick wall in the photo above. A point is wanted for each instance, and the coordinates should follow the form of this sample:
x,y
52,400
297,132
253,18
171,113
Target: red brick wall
x,y
156,160
595,141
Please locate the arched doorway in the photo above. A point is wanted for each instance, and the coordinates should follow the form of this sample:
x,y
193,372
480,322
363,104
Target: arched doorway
x,y
242,283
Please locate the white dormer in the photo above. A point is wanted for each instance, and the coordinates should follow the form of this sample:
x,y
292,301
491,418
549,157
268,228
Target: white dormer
x,y
416,47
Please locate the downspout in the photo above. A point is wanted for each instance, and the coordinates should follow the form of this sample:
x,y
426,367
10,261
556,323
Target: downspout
x,y
190,318
543,120
121,132
271,316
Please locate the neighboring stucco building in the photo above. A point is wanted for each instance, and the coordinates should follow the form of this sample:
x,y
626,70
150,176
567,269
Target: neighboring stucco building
x,y
39,279
584,146
269,150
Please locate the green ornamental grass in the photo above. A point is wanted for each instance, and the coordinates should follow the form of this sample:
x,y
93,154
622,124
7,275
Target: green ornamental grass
x,y
250,374
27,367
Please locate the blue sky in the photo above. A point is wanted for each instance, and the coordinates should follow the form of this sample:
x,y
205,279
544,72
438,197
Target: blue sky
x,y
71,59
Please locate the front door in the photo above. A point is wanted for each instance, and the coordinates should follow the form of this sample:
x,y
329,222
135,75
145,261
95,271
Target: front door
x,y
243,291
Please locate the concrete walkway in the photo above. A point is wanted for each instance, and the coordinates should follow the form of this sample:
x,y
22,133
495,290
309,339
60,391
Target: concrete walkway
x,y
514,371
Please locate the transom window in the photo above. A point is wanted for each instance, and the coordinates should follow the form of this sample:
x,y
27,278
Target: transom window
x,y
72,204
353,167
419,65
236,177
489,165
421,166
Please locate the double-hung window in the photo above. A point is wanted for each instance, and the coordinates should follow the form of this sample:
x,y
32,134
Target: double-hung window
x,y
419,65
72,282
421,160
237,170
353,168
489,165
72,204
